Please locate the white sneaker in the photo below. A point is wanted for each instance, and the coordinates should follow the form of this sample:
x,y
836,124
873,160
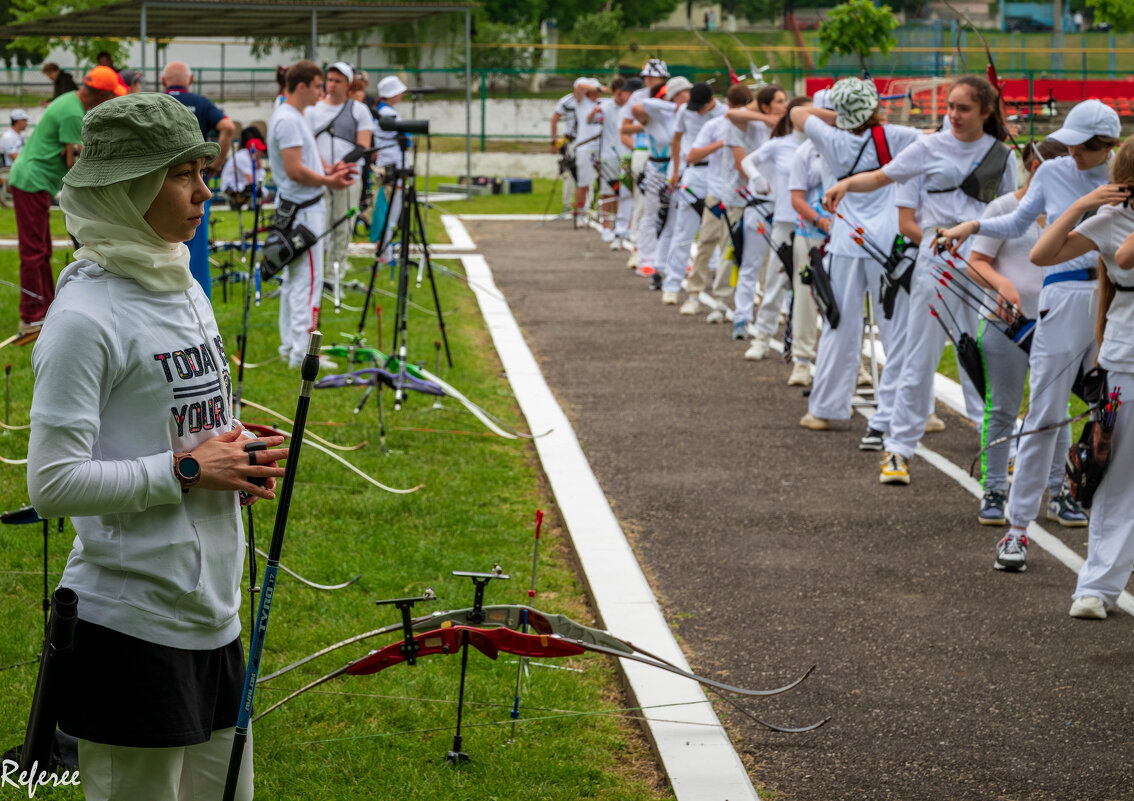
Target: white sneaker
x,y
758,349
715,316
800,375
632,262
934,424
1089,607
616,243
690,307
864,377
327,364
669,298
607,235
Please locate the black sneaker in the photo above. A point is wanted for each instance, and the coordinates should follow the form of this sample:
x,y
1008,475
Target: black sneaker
x,y
1012,552
655,282
871,440
992,509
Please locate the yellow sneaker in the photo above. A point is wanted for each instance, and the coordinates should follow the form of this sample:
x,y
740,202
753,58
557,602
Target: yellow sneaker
x,y
894,469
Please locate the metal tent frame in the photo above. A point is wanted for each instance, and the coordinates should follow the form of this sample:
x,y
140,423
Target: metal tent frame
x,y
170,19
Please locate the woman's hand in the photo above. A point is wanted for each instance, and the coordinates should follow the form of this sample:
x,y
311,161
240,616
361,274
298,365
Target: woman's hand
x,y
1105,195
823,224
952,238
225,465
833,196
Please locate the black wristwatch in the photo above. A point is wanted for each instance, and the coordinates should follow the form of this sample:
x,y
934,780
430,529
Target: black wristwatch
x,y
187,470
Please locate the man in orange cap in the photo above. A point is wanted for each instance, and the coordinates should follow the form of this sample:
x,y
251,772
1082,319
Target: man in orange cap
x,y
37,177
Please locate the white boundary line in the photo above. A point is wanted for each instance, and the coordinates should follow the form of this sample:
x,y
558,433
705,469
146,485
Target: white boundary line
x,y
695,751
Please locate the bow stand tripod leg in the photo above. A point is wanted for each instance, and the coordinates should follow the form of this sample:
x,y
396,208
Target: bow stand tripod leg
x,y
383,243
432,281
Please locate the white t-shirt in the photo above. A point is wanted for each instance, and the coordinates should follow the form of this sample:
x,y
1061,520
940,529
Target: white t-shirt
x,y
332,145
1011,255
874,211
638,96
11,143
774,159
809,174
749,139
689,124
237,172
1055,186
565,108
287,128
1108,229
945,161
587,130
659,128
706,180
611,125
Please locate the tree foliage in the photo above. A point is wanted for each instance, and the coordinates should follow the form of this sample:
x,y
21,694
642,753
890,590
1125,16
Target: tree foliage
x,y
1119,13
601,28
84,50
855,28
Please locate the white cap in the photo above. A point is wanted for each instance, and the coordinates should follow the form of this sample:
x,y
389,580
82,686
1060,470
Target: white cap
x,y
675,86
346,69
822,99
18,114
655,68
390,86
1087,119
590,83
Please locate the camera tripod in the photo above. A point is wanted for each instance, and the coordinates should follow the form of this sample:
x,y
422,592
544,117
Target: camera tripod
x,y
411,228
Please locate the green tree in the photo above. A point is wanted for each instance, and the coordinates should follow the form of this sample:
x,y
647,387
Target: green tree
x,y
1119,13
855,28
83,49
601,28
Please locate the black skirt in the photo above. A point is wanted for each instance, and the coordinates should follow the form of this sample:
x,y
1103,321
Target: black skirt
x,y
121,690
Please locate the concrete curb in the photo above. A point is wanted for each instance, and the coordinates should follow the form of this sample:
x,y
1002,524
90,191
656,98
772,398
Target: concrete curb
x,y
695,751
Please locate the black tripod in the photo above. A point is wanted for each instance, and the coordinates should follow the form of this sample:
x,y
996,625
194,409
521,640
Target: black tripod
x,y
411,228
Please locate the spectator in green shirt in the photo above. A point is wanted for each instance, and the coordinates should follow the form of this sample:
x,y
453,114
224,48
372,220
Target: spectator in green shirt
x,y
37,177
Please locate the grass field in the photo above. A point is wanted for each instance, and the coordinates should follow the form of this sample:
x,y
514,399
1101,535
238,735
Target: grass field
x,y
385,735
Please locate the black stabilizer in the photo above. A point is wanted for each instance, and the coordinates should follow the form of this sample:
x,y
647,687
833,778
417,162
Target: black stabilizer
x,y
57,645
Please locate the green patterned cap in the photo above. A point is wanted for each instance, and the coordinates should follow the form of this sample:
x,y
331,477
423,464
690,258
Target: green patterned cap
x,y
854,100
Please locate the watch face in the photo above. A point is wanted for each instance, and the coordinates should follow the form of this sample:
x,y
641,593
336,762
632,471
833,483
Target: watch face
x,y
189,468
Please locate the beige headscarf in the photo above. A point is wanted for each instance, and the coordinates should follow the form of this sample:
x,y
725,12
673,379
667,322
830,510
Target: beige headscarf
x,y
108,221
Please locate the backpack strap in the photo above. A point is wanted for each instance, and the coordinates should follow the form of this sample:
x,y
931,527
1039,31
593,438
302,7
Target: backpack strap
x,y
881,147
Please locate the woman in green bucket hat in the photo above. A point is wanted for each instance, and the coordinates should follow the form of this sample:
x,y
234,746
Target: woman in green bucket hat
x,y
133,438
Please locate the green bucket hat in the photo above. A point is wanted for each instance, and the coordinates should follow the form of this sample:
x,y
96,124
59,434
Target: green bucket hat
x,y
133,135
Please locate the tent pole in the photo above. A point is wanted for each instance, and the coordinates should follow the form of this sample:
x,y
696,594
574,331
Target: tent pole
x,y
142,37
314,34
468,102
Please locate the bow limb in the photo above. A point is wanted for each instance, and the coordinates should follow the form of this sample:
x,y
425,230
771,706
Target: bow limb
x,y
732,76
313,444
306,434
330,648
309,686
1022,434
6,460
309,582
7,427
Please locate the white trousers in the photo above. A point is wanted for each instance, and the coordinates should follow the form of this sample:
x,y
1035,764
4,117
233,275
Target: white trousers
x,y
712,239
1110,542
925,342
685,222
804,312
302,292
776,283
639,160
894,334
338,202
840,349
751,263
1063,343
625,209
651,241
609,196
1006,374
190,773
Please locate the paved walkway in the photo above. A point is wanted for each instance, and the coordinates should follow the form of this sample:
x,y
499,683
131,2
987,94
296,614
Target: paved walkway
x,y
773,548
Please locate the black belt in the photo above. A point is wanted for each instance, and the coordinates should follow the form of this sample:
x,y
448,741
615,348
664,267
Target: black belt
x,y
699,164
659,159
